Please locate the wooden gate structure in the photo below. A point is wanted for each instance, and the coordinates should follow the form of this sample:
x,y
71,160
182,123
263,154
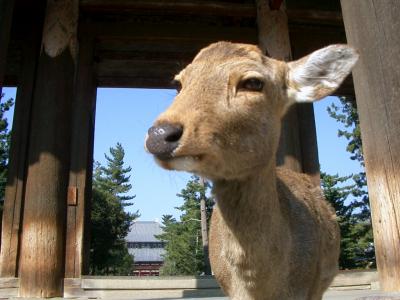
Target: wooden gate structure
x,y
57,52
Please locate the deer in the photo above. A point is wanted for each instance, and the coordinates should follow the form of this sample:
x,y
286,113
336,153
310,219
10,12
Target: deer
x,y
272,233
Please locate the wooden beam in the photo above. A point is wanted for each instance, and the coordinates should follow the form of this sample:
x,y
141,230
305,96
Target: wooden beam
x,y
306,38
15,189
373,28
315,16
169,32
42,259
135,82
6,12
198,7
80,174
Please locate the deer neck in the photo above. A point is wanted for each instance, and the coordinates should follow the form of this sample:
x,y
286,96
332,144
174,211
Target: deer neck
x,y
250,204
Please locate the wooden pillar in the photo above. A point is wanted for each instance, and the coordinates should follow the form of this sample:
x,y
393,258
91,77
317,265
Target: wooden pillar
x,y
6,12
42,254
298,144
373,28
43,235
14,194
308,141
80,178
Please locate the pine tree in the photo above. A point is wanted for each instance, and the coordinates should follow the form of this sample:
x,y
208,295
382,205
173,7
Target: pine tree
x,y
110,222
347,115
114,178
184,250
351,202
5,137
356,237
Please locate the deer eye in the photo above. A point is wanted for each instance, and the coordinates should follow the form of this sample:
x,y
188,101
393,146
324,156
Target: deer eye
x,y
176,85
251,84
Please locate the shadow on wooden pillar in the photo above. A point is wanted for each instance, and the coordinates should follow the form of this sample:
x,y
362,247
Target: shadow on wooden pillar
x,y
15,189
298,143
80,180
42,258
373,28
308,141
298,149
289,151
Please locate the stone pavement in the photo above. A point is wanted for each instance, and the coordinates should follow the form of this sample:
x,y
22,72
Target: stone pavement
x,y
338,295
360,294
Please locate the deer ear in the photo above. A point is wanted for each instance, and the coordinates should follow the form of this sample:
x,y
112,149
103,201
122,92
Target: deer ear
x,y
320,73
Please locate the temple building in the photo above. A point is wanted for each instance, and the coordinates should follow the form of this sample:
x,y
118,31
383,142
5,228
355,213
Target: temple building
x,y
146,249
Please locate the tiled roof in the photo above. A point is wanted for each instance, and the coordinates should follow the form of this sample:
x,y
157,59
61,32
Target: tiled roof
x,y
147,254
144,231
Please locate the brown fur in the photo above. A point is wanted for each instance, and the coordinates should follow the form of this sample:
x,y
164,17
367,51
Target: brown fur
x,y
272,234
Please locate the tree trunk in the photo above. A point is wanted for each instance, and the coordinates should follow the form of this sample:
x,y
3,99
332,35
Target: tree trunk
x,y
204,230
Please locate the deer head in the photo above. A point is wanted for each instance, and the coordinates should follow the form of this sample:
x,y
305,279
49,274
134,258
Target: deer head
x,y
225,121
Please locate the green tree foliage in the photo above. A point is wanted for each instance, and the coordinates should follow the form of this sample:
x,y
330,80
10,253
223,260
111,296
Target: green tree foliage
x,y
113,178
351,200
5,137
110,222
347,115
184,250
356,235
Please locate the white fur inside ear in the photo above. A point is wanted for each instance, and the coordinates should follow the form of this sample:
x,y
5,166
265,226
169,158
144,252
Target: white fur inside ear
x,y
319,74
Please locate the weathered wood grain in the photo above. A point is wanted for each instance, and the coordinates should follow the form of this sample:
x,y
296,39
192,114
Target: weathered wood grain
x,y
15,188
298,143
42,259
373,28
10,282
83,115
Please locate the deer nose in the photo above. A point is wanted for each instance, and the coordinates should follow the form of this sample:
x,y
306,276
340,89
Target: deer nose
x,y
163,139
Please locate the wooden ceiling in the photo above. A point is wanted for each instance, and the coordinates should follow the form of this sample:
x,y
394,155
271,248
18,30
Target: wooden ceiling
x,y
143,43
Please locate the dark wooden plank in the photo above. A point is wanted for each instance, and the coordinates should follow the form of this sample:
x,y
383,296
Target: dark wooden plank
x,y
159,56
314,16
143,45
327,5
80,172
42,258
170,32
217,7
373,28
136,82
6,12
15,189
306,38
128,68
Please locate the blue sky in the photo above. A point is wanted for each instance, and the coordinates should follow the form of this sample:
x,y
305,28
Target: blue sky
x,y
124,115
